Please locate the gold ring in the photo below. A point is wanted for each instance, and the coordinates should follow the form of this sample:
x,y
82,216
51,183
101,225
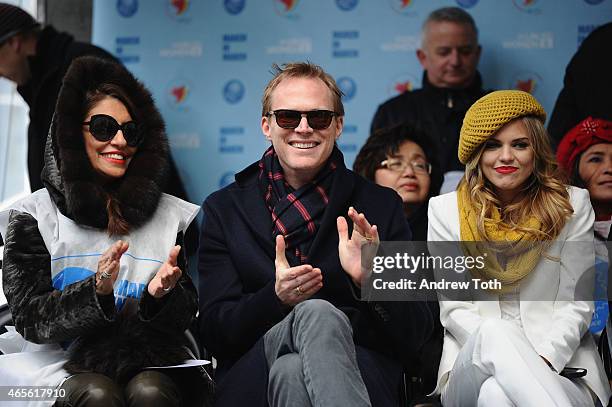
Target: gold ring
x,y
298,290
368,238
104,275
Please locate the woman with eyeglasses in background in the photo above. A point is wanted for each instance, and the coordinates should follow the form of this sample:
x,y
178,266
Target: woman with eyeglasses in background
x,y
94,265
403,159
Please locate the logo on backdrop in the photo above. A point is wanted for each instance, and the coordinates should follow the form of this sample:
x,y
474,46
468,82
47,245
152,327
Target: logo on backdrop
x,y
178,94
404,7
467,3
593,2
226,179
234,47
584,31
343,44
346,5
531,40
127,49
290,46
528,6
526,81
348,87
234,6
227,139
402,83
127,8
286,8
178,9
233,91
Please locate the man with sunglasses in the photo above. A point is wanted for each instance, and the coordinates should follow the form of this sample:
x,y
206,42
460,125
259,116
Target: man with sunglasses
x,y
280,274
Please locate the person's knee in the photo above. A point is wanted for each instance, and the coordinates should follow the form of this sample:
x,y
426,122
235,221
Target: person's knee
x,y
287,367
92,389
492,394
492,328
152,388
323,312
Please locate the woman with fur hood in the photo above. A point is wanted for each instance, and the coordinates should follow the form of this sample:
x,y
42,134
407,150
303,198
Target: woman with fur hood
x,y
94,269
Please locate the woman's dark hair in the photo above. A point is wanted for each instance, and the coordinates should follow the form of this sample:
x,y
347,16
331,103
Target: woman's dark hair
x,y
387,142
117,224
112,90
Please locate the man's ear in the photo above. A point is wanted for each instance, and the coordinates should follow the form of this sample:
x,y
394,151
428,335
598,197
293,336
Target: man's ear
x,y
339,126
265,127
421,56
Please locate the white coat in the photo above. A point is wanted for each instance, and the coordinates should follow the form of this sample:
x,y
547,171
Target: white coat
x,y
556,328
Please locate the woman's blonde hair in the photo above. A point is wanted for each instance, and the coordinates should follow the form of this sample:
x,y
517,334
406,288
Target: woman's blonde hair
x,y
545,193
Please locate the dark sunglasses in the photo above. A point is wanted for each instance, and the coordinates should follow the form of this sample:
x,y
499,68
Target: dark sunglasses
x,y
290,119
104,127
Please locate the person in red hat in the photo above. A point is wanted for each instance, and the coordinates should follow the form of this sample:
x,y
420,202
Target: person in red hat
x,y
585,153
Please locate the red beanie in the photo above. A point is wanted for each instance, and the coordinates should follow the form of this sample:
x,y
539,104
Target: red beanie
x,y
586,133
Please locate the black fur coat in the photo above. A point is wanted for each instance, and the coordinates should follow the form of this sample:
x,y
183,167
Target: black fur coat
x,y
99,339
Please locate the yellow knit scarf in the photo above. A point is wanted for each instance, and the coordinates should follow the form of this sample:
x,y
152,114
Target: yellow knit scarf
x,y
510,254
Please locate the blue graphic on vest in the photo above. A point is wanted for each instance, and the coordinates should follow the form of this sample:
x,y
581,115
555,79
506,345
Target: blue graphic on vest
x,y
127,8
233,91
125,289
601,311
226,179
120,49
346,5
227,141
339,49
467,3
593,2
70,275
348,88
234,6
231,47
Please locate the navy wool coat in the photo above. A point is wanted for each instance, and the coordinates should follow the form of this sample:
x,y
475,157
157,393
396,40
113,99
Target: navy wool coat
x,y
238,303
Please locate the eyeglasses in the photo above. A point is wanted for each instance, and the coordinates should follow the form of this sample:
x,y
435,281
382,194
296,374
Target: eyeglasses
x,y
290,119
104,127
397,165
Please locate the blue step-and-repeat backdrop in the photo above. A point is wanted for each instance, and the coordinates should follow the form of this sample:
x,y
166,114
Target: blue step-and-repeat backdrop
x,y
208,61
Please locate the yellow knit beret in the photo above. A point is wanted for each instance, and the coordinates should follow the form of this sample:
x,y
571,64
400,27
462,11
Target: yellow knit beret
x,y
490,113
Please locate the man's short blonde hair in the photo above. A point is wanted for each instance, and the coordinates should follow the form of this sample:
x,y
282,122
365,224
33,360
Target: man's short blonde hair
x,y
301,70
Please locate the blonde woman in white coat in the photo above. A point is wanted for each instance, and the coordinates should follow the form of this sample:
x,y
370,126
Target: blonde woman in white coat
x,y
507,347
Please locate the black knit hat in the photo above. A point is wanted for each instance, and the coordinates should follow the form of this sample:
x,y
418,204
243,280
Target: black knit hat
x,y
14,20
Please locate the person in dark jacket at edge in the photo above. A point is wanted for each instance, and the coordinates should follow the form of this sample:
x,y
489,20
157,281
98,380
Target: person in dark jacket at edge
x,y
449,55
280,265
587,85
36,59
94,266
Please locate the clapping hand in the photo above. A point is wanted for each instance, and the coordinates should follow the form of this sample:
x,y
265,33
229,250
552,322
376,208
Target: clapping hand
x,y
294,284
108,267
349,250
167,276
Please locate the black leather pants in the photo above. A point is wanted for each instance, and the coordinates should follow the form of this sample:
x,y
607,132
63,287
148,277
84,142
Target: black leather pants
x,y
147,388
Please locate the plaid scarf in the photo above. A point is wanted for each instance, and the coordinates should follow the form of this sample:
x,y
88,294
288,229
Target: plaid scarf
x,y
296,214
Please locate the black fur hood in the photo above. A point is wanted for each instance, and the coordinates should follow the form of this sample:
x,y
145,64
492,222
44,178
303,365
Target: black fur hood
x,y
69,176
